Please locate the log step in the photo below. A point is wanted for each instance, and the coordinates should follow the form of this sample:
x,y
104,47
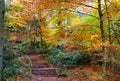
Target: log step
x,y
40,65
45,72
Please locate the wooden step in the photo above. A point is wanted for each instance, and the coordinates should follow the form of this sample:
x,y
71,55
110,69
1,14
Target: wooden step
x,y
45,72
34,69
40,65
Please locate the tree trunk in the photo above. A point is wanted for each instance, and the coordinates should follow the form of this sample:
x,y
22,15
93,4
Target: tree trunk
x,y
109,35
108,20
103,38
1,35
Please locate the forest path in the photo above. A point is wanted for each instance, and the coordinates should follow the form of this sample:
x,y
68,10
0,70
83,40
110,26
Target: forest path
x,y
42,71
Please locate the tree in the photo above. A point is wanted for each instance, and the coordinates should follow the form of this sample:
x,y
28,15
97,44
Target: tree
x,y
103,37
99,8
1,35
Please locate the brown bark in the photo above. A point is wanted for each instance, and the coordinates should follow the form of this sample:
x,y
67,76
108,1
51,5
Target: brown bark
x,y
103,38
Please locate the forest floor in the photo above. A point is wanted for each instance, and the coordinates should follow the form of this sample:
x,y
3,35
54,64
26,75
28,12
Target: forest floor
x,y
43,71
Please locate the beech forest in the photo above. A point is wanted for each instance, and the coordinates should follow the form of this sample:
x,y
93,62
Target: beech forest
x,y
59,40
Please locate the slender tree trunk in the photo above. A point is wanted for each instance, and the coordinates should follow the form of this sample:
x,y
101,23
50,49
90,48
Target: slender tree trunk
x,y
1,35
108,20
103,38
109,34
41,33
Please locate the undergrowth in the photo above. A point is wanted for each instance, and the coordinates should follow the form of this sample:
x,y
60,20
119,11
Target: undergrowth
x,y
13,63
64,61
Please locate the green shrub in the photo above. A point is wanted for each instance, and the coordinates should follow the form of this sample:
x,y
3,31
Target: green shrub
x,y
65,60
10,65
55,58
12,69
81,58
23,47
28,47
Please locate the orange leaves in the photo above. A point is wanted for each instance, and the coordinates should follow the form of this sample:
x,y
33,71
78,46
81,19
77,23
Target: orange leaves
x,y
33,7
17,36
19,20
48,4
12,36
95,37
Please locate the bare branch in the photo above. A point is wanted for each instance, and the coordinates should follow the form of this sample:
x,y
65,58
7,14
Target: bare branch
x,y
88,5
82,13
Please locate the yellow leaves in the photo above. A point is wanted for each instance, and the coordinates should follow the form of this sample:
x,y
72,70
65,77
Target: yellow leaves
x,y
52,37
18,22
35,34
62,3
15,1
82,39
28,0
76,21
95,37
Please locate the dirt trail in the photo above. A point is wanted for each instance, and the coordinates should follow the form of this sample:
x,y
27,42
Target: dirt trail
x,y
42,71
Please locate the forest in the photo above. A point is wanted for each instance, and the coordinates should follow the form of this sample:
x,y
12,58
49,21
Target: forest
x,y
59,40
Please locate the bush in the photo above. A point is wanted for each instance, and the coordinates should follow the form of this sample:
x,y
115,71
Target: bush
x,y
22,47
65,60
28,47
10,65
55,58
81,58
12,69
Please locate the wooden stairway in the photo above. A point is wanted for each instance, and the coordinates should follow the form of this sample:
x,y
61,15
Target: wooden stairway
x,y
43,71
